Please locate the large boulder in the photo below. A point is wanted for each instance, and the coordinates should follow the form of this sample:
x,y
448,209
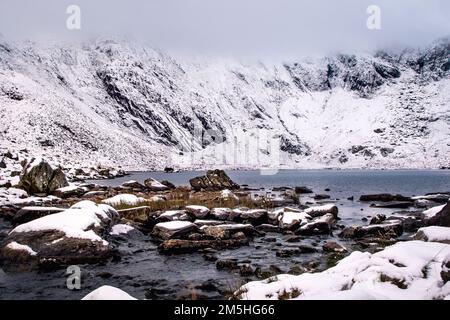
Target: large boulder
x,y
39,177
214,180
73,236
438,216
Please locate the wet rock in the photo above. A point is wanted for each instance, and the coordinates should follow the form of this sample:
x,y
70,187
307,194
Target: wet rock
x,y
227,264
434,197
331,246
27,214
197,211
379,218
292,238
301,249
70,191
385,197
322,196
394,204
387,230
302,190
168,170
267,228
174,246
173,229
39,177
246,270
213,180
351,198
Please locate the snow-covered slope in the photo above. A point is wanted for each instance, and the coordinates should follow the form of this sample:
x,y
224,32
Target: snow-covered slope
x,y
118,103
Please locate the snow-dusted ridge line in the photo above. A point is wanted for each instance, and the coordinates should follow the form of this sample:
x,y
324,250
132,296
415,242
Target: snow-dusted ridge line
x,y
121,104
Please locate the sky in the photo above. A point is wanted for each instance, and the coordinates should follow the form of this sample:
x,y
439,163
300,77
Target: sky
x,y
241,27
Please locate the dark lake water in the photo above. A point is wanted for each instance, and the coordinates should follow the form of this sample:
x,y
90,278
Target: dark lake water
x,y
144,273
343,183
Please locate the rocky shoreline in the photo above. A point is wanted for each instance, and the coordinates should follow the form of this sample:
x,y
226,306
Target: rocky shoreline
x,y
57,220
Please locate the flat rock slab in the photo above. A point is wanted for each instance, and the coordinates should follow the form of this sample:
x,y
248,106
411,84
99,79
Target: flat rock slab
x,y
174,246
394,204
27,214
173,229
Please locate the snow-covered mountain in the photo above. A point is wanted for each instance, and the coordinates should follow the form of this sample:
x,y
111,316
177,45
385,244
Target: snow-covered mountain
x,y
123,104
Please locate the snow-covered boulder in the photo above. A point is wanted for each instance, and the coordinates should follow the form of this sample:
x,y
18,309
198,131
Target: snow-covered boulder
x,y
291,219
322,210
197,211
173,229
438,216
72,236
119,229
228,195
174,215
433,234
223,214
70,191
127,199
225,231
253,216
39,177
108,293
213,180
405,270
155,185
132,184
320,225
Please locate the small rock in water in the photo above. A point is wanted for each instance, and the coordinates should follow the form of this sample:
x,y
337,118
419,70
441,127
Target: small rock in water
x,y
331,246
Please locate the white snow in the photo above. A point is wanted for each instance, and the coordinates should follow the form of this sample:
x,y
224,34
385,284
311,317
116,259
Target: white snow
x,y
415,264
324,208
174,225
108,293
173,214
433,211
120,229
227,194
73,222
20,247
129,199
435,234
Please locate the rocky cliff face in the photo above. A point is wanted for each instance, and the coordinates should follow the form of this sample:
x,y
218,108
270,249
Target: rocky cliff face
x,y
118,103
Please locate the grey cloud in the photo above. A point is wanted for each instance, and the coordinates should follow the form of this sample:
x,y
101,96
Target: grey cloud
x,y
257,27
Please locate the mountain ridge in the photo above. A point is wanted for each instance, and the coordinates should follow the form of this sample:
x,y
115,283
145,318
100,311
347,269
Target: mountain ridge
x,y
122,104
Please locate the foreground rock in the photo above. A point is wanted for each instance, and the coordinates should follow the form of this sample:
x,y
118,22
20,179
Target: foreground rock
x,y
400,271
38,177
214,180
73,236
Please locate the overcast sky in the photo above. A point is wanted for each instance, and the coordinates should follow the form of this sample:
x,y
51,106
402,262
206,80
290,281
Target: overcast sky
x,y
261,27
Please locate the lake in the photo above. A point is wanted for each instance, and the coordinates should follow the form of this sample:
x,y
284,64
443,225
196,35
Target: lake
x,y
144,273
